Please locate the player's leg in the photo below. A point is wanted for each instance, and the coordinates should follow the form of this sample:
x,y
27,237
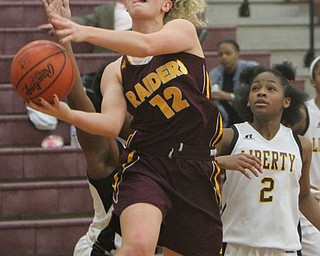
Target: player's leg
x,y
140,226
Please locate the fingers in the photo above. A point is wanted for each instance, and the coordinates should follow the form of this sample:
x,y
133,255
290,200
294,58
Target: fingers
x,y
66,3
254,163
46,26
64,35
37,106
67,30
42,105
251,164
247,174
45,3
56,100
245,163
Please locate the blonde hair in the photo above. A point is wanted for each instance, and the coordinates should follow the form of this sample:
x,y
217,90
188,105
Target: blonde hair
x,y
192,10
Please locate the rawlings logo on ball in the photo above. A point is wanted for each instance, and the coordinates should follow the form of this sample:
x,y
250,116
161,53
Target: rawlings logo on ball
x,y
37,78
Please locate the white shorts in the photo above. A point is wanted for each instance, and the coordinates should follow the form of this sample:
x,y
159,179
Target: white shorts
x,y
242,250
83,247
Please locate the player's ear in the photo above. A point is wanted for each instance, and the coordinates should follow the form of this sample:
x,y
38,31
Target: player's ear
x,y
167,6
286,102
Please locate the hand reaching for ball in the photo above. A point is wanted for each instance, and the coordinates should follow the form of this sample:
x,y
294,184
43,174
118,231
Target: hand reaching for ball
x,y
58,108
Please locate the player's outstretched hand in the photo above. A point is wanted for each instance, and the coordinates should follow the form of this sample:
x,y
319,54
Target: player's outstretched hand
x,y
67,30
242,162
60,7
59,109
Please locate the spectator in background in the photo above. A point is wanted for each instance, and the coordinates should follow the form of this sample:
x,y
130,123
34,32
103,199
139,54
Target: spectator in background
x,y
108,16
225,79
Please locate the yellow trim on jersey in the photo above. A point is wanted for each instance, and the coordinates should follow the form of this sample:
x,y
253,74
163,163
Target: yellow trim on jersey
x,y
130,157
129,139
116,176
208,86
215,179
218,135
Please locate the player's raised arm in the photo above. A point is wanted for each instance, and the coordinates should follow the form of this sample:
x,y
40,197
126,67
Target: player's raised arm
x,y
175,36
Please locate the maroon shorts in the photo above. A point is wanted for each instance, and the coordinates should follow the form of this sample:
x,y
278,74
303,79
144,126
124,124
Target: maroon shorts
x,y
184,191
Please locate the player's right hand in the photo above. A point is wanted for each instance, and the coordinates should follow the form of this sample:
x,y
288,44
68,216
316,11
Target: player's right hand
x,y
242,162
67,30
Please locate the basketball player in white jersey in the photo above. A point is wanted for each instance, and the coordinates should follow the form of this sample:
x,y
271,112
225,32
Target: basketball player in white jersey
x,y
309,127
260,215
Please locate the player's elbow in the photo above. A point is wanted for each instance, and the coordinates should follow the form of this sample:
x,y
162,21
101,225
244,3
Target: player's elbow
x,y
117,128
114,132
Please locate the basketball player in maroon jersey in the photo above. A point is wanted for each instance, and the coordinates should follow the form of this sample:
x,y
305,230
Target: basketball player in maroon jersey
x,y
167,189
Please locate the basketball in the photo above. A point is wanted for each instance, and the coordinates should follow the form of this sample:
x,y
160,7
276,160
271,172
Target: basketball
x,y
40,69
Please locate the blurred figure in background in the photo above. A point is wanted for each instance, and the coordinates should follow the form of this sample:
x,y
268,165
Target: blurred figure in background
x,y
225,79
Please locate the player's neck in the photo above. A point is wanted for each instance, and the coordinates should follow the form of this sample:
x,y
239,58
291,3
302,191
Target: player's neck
x,y
267,129
146,27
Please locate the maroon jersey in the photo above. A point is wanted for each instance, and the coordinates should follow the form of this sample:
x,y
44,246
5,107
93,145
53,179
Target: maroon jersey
x,y
168,162
168,97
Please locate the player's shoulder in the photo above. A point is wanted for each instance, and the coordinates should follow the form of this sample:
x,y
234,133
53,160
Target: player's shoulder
x,y
180,24
114,66
112,71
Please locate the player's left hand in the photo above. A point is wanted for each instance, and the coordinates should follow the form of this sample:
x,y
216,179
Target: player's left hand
x,y
59,109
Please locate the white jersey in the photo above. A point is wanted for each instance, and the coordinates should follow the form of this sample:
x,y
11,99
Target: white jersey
x,y
263,212
311,235
313,133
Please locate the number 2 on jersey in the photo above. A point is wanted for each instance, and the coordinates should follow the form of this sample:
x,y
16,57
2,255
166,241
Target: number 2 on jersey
x,y
268,186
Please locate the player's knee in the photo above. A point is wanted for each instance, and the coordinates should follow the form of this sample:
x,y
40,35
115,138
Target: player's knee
x,y
139,246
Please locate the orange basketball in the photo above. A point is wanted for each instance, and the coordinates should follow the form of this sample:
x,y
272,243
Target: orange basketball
x,y
40,69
